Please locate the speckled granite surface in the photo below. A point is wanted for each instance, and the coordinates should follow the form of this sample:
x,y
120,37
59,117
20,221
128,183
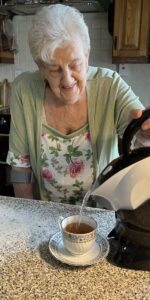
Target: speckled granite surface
x,y
28,271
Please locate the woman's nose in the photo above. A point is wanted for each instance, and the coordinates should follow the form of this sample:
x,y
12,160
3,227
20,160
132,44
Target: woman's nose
x,y
66,76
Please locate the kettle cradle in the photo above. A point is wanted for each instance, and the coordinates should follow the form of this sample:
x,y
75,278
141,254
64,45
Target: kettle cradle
x,y
130,238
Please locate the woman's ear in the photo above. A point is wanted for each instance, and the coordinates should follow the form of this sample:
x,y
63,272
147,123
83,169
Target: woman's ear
x,y
87,55
42,70
89,50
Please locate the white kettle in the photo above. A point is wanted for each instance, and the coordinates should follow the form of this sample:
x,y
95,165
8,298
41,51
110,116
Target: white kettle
x,y
125,182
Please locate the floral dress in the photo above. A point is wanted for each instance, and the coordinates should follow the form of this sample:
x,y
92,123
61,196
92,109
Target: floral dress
x,y
66,164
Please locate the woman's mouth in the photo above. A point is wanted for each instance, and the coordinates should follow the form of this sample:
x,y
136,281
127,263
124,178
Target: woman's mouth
x,y
69,87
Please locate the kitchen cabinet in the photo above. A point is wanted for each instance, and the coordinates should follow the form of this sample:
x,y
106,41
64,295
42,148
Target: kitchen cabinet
x,y
149,47
131,31
6,53
28,7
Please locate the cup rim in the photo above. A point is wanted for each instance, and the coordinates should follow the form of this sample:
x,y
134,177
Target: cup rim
x,y
81,234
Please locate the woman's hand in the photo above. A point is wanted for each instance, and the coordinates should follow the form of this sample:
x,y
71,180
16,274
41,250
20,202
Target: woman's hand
x,y
143,135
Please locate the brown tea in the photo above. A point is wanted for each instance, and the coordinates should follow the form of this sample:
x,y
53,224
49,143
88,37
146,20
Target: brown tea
x,y
79,228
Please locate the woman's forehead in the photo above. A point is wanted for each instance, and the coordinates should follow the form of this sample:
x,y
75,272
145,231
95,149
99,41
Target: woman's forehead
x,y
71,52
74,60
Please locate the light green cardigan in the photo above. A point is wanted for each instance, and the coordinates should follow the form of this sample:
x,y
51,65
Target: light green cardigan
x,y
110,101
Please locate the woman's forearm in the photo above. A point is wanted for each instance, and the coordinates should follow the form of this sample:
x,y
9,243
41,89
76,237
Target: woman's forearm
x,y
23,190
22,184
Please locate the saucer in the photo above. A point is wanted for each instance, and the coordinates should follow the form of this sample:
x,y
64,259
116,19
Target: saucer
x,y
99,251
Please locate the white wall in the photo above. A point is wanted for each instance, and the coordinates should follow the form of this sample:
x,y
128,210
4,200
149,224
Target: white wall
x,y
139,79
137,74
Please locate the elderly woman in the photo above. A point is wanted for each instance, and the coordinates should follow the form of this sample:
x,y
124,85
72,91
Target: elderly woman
x,y
66,117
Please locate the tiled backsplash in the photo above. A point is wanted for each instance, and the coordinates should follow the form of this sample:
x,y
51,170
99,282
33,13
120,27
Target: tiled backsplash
x,y
101,52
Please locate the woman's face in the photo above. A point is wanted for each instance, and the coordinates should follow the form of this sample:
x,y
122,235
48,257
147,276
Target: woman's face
x,y
66,72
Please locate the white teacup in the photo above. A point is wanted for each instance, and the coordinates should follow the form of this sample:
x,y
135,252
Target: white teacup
x,y
78,239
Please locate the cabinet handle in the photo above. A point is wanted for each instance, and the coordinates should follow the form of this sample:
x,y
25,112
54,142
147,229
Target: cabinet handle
x,y
115,42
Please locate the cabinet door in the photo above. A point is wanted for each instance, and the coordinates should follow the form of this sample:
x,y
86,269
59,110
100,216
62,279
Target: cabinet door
x,y
6,53
149,47
130,36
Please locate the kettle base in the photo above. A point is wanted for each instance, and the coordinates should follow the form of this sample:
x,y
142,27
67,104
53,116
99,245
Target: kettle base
x,y
127,255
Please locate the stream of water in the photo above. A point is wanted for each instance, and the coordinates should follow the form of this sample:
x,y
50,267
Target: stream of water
x,y
85,199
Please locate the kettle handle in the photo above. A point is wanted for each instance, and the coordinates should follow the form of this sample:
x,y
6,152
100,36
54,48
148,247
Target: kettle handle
x,y
131,129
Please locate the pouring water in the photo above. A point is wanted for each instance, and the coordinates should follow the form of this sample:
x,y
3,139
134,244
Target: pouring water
x,y
86,197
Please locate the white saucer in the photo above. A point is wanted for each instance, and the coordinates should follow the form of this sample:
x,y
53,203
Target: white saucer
x,y
99,250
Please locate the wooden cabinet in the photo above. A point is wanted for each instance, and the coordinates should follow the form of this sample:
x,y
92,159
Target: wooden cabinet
x,y
131,31
6,53
149,47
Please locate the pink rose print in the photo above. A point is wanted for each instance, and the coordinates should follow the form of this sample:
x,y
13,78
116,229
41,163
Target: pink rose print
x,y
87,136
43,133
76,168
47,174
25,159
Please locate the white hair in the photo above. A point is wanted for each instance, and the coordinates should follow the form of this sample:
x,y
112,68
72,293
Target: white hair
x,y
53,25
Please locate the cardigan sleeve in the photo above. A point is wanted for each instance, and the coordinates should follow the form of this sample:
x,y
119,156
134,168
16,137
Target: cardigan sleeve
x,y
25,107
126,101
110,101
18,143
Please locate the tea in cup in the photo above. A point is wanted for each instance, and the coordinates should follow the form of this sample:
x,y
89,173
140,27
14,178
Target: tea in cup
x,y
78,233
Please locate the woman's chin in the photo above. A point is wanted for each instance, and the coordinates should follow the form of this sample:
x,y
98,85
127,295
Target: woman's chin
x,y
70,101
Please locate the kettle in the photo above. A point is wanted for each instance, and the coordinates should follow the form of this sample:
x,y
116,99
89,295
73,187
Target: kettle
x,y
124,182
125,185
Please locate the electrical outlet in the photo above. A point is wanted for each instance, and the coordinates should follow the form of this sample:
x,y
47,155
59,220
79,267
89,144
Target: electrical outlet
x,y
123,70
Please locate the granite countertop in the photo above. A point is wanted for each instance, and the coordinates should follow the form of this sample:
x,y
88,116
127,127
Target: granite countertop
x,y
28,270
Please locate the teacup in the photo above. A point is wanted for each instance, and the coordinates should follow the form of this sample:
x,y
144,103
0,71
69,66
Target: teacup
x,y
78,234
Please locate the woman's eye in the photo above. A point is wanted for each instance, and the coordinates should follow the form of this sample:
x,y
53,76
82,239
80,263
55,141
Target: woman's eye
x,y
76,66
54,70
